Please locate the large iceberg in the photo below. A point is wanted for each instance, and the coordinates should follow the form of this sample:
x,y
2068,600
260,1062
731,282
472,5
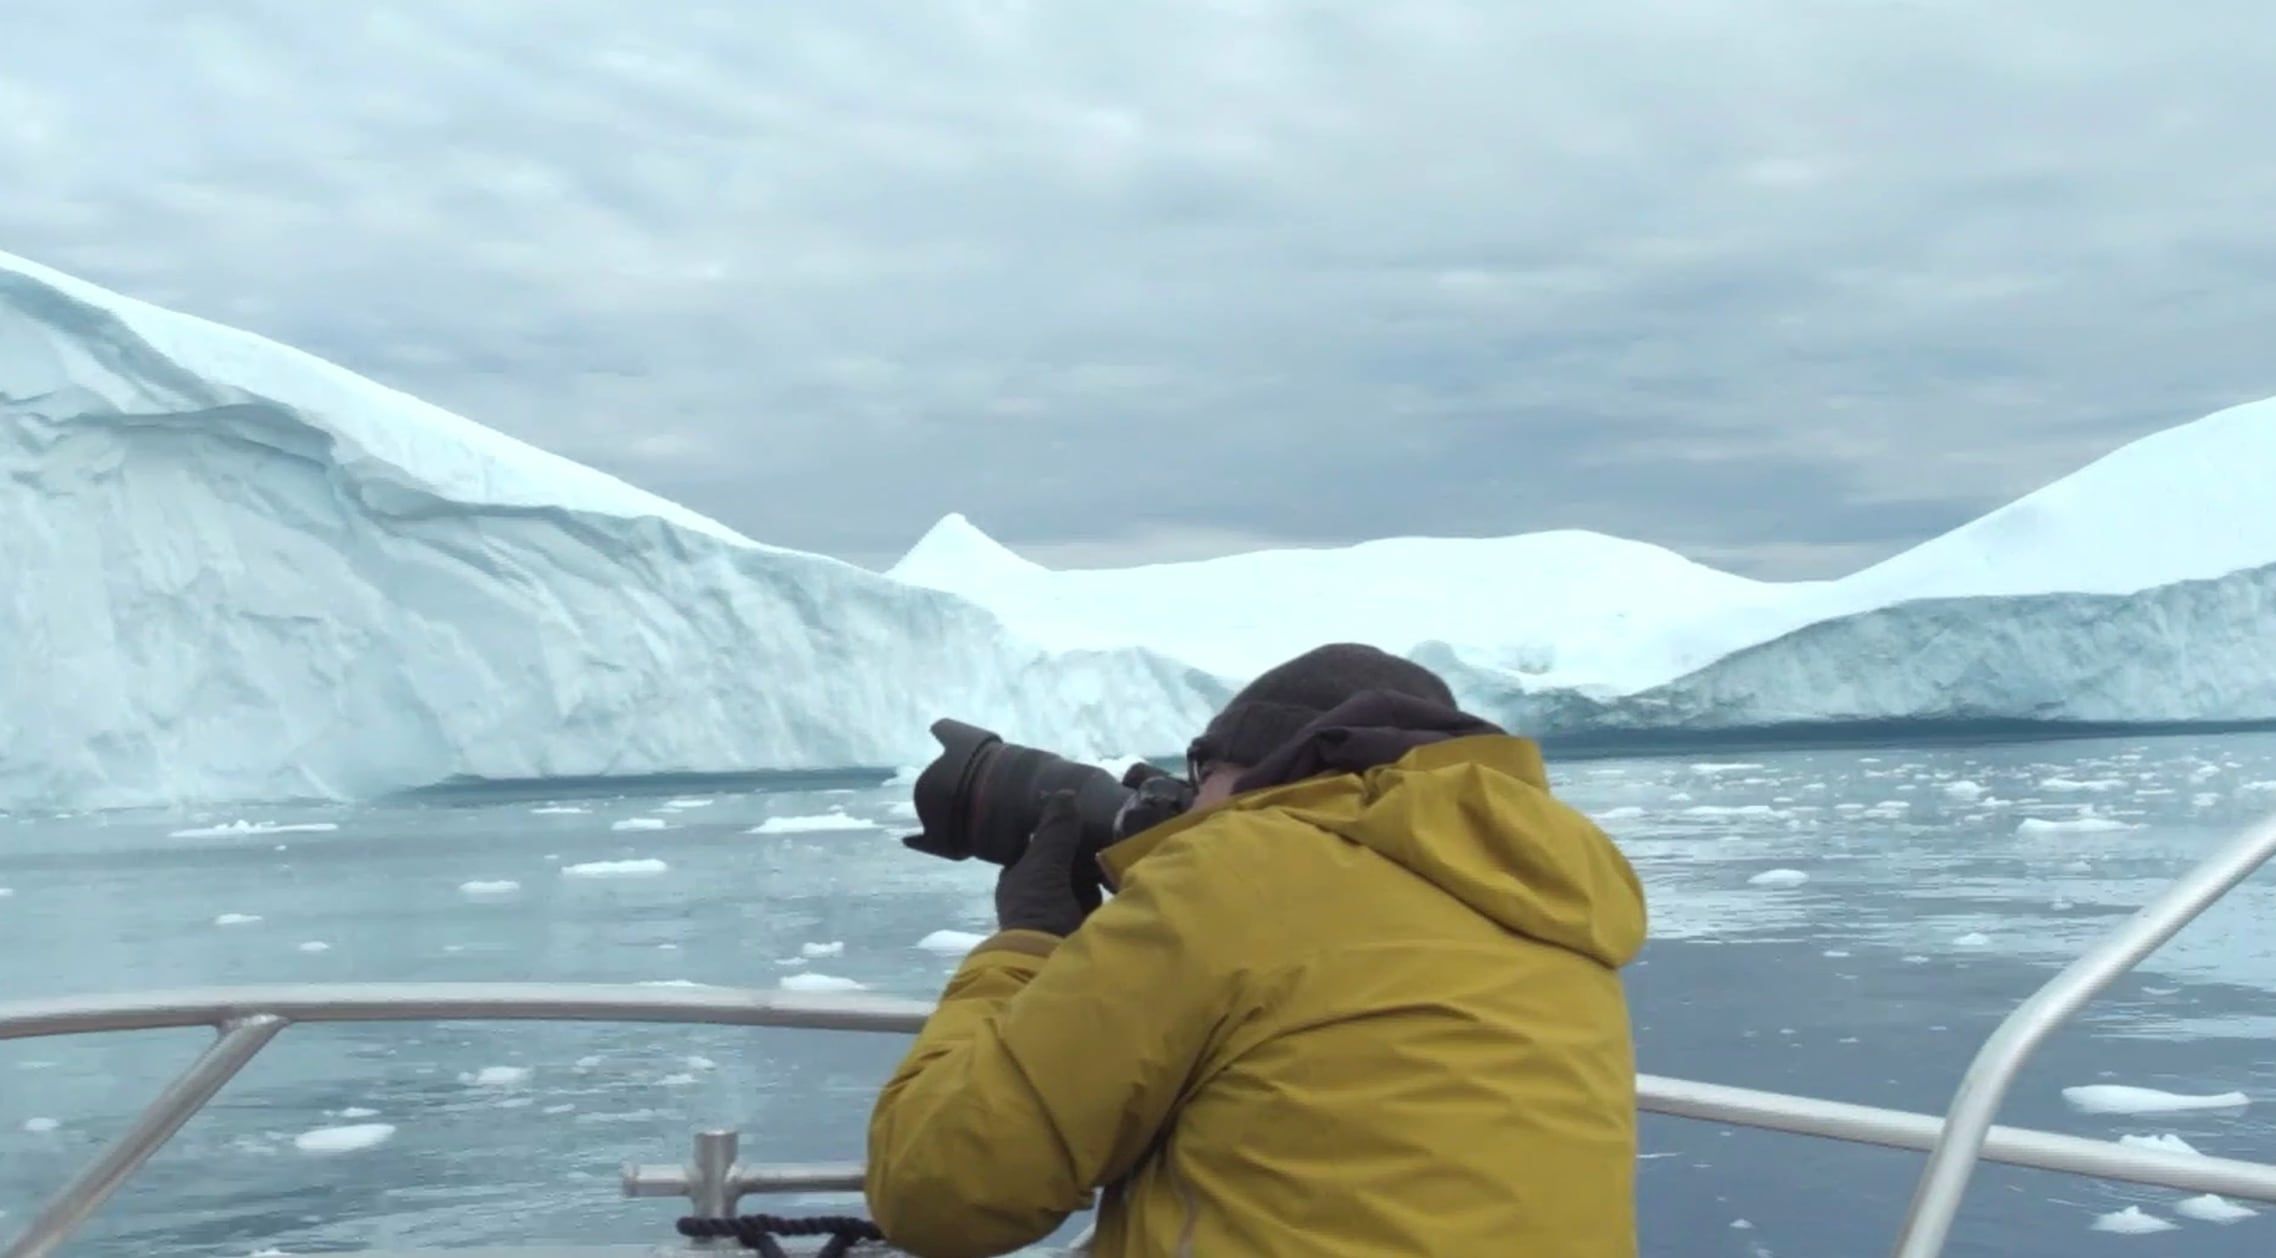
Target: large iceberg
x,y
2135,591
237,571
240,572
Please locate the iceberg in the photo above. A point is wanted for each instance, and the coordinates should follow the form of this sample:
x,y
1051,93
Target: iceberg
x,y
2135,591
249,574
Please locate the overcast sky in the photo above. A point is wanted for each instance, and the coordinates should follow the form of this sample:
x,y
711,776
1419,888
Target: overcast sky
x,y
1784,284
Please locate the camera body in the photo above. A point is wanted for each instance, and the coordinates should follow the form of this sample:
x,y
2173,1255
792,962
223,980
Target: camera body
x,y
982,797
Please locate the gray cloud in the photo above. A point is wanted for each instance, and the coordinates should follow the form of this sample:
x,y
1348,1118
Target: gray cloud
x,y
1785,284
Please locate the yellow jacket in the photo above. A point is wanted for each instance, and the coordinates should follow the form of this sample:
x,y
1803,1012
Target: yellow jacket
x,y
1367,1014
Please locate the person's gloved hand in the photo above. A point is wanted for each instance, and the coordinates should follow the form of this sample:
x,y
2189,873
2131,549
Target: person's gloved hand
x,y
1056,884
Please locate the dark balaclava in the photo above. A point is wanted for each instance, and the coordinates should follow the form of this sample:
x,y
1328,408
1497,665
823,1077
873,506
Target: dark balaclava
x,y
1277,706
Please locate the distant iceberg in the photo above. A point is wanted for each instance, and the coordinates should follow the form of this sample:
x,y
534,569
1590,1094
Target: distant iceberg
x,y
2139,590
262,577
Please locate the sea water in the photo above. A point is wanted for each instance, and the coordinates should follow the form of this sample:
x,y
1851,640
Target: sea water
x,y
1846,923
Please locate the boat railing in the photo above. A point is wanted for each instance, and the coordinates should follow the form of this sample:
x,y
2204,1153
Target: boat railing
x,y
248,1018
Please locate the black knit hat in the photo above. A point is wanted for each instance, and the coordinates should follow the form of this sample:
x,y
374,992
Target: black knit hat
x,y
1276,706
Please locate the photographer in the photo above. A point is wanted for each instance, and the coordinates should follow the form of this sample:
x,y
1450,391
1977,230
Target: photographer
x,y
1362,999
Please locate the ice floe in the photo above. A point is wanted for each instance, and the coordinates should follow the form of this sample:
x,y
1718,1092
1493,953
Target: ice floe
x,y
2212,1208
640,868
820,983
2072,825
950,943
345,1139
810,825
2163,1143
2131,1221
2113,1098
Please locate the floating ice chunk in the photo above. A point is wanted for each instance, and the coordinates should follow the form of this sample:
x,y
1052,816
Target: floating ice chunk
x,y
682,805
497,1077
2212,1208
1741,1225
2132,1222
2074,825
346,1139
816,951
2164,1143
1973,939
1713,768
1626,812
675,1081
1964,790
5,892
489,886
1778,878
1680,797
820,983
1835,953
670,982
40,1126
641,868
641,823
810,825
2059,905
237,919
902,810
227,828
950,943
562,1108
2073,785
2113,1098
2269,785
559,810
313,945
1730,810
791,963
700,1063
587,1063
358,1111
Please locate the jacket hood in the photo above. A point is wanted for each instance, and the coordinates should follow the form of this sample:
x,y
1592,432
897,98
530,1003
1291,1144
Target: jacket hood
x,y
1474,817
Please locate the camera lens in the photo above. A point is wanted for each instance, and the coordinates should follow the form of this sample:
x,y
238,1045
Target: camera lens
x,y
982,796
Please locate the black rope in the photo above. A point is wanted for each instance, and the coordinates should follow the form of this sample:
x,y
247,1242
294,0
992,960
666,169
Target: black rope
x,y
757,1231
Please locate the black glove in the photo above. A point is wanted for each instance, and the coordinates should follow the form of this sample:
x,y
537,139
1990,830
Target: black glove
x,y
1055,885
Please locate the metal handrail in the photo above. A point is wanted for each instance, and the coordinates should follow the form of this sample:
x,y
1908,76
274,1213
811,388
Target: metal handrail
x,y
247,1018
1944,1180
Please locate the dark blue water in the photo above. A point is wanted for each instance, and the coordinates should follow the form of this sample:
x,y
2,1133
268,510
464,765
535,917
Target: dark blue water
x,y
1855,985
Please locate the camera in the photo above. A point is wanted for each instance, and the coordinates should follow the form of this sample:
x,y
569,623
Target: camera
x,y
982,797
